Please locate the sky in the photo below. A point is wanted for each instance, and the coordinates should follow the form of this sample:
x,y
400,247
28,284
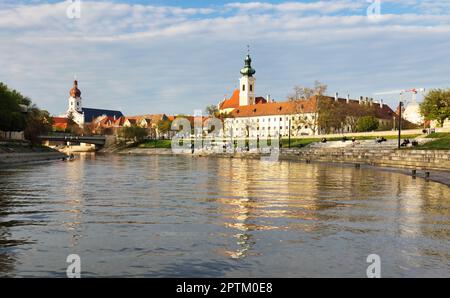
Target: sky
x,y
145,57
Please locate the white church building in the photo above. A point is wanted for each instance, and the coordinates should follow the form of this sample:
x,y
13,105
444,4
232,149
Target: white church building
x,y
81,115
252,116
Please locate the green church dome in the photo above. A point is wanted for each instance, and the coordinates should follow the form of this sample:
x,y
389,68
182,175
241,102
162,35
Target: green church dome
x,y
247,70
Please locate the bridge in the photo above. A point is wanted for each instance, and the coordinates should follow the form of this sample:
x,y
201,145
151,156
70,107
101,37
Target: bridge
x,y
97,140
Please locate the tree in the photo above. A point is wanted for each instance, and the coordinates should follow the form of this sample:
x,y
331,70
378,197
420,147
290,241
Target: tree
x,y
331,115
367,123
134,133
38,123
11,116
436,105
212,110
303,94
164,126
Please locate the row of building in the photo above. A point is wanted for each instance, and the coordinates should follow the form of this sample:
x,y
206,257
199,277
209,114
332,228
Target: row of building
x,y
244,114
105,121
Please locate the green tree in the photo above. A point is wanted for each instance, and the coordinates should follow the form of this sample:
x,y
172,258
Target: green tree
x,y
436,105
164,126
38,123
134,133
367,123
72,126
12,102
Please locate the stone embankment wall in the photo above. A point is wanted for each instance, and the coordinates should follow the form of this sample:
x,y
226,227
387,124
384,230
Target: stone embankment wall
x,y
17,158
414,159
406,158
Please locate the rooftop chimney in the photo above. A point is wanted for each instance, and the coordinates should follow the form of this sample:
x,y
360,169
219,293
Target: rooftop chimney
x,y
268,98
348,98
381,103
360,100
336,96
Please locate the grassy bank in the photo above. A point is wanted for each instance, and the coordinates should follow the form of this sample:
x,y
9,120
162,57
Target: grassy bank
x,y
442,142
155,144
307,141
21,147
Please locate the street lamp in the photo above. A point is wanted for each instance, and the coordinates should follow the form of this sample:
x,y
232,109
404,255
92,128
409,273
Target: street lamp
x,y
400,123
289,133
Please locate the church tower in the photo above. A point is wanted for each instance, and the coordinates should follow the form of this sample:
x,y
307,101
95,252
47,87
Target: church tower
x,y
247,83
75,99
75,109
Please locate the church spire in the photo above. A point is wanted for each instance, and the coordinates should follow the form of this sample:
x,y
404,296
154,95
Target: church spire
x,y
247,70
75,92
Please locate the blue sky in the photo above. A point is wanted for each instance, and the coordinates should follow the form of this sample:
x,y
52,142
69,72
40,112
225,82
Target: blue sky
x,y
176,56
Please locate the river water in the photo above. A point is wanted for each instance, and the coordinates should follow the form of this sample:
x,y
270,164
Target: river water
x,y
175,216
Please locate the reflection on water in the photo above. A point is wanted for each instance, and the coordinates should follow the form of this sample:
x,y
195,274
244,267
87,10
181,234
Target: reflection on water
x,y
180,216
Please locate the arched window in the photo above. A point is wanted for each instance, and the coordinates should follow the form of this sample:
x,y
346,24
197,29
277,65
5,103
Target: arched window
x,y
243,87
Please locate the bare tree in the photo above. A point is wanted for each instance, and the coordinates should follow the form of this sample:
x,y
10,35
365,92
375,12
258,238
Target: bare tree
x,y
303,96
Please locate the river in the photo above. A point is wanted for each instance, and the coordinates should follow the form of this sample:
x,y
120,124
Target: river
x,y
175,216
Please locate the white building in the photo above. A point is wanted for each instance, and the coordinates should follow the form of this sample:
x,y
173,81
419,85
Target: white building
x,y
251,116
412,113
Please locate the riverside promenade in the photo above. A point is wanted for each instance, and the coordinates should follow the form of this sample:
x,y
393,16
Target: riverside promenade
x,y
434,162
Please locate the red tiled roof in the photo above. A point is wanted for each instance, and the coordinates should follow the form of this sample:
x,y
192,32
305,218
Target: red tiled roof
x,y
275,108
60,122
232,102
304,106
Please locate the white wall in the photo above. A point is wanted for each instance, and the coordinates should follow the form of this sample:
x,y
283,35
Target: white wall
x,y
265,126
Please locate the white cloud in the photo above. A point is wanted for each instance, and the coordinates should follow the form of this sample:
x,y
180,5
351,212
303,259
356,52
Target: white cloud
x,y
320,6
173,59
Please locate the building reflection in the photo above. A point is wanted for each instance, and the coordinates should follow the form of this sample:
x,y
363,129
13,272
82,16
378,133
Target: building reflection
x,y
260,195
74,173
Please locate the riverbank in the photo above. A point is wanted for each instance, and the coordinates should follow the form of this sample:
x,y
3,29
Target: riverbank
x,y
15,153
435,162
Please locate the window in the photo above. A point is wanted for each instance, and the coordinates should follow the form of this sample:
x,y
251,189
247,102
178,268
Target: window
x,y
281,119
251,87
243,87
